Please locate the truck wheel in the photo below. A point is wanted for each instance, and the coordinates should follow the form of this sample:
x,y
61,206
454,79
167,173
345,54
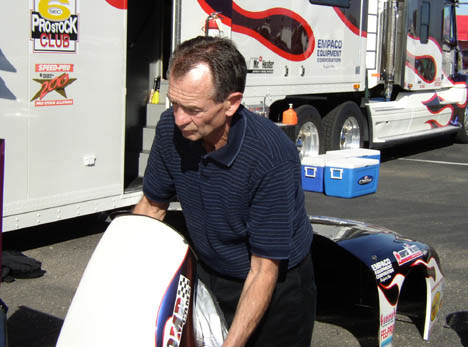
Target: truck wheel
x,y
307,131
343,127
462,134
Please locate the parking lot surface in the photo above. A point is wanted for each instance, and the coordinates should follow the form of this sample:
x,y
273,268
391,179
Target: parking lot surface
x,y
421,194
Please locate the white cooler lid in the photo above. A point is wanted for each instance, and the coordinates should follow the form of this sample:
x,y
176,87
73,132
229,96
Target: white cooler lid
x,y
317,160
348,153
351,163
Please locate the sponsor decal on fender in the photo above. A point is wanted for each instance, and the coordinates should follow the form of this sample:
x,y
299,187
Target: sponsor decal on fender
x,y
175,323
387,325
408,253
435,306
54,26
53,78
388,319
383,269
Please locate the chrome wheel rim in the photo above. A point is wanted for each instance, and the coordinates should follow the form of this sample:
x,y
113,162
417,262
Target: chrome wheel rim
x,y
350,134
307,140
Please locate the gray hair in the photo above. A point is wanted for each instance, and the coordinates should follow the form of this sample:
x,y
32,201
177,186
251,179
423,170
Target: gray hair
x,y
226,63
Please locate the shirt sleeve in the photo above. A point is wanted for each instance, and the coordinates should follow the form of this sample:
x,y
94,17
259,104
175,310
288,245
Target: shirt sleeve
x,y
271,214
158,183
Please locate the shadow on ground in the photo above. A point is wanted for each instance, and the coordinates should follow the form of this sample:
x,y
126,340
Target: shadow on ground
x,y
458,321
30,328
359,321
415,147
56,232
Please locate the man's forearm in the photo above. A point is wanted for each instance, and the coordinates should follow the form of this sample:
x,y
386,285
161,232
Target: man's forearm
x,y
255,298
151,208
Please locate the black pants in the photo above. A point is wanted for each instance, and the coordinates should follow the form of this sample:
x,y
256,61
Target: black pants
x,y
289,319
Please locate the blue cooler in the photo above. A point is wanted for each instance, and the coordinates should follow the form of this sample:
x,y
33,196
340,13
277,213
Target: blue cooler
x,y
354,153
351,177
312,173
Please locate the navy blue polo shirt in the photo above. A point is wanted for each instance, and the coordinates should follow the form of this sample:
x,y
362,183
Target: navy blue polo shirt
x,y
244,198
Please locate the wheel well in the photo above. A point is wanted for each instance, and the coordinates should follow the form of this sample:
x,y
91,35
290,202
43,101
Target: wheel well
x,y
323,104
342,279
413,286
412,299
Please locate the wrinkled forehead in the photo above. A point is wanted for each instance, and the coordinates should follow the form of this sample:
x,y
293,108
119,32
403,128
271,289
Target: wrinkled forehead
x,y
180,70
195,84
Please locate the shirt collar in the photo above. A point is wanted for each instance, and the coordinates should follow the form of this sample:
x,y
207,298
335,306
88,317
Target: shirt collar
x,y
228,153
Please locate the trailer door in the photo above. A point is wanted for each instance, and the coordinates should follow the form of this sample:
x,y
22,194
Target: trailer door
x,y
423,66
449,40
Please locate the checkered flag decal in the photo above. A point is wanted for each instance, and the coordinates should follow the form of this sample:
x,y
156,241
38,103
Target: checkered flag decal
x,y
183,288
175,324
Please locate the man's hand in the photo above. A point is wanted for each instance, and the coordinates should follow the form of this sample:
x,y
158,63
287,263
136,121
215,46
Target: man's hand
x,y
151,208
254,300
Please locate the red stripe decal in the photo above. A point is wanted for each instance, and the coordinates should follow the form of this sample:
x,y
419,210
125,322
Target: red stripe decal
x,y
248,23
120,4
350,25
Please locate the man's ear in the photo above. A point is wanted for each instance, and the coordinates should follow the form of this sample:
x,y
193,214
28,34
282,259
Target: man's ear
x,y
233,102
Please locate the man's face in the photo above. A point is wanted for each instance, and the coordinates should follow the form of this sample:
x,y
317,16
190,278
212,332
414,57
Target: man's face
x,y
196,114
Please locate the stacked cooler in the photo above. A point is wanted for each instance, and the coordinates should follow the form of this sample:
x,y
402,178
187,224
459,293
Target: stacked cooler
x,y
345,173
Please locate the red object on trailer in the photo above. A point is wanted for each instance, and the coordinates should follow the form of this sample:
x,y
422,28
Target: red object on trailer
x,y
212,25
462,35
462,28
290,116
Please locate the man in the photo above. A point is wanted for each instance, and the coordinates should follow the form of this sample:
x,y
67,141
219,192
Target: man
x,y
237,177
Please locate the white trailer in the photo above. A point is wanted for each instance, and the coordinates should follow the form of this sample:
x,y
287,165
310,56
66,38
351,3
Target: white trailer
x,y
62,109
75,76
358,72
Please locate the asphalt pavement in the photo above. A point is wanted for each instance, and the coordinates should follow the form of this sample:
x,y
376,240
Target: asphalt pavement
x,y
421,194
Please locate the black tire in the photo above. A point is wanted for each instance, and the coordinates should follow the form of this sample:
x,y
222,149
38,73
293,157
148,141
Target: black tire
x,y
343,127
462,134
307,131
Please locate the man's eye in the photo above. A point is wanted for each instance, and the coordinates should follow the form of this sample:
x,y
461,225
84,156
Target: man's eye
x,y
192,111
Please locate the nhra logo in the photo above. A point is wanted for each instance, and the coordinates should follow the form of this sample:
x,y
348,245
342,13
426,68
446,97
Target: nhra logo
x,y
54,26
365,180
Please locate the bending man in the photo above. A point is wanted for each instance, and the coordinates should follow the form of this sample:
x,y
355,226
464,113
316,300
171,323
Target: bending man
x,y
237,177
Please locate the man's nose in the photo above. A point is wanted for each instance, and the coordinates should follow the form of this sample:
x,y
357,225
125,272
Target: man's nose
x,y
181,118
